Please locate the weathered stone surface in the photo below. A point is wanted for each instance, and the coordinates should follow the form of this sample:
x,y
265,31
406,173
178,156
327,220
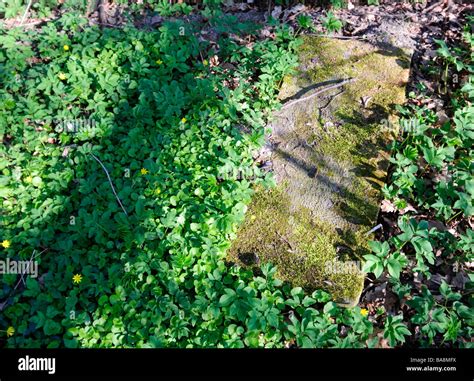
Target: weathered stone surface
x,y
329,160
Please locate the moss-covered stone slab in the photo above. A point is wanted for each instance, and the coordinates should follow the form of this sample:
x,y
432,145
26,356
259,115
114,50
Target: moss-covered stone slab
x,y
329,159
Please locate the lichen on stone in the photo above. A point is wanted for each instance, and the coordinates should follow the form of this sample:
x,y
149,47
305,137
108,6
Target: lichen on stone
x,y
329,160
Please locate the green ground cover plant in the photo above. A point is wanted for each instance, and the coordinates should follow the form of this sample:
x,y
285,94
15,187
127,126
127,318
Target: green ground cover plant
x,y
128,163
433,174
151,115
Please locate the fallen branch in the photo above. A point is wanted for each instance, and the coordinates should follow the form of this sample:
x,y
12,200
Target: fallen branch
x,y
335,86
110,181
441,3
102,12
35,22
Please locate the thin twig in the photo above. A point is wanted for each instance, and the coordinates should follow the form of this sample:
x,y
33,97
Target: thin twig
x,y
26,270
320,110
26,12
338,37
374,229
331,99
286,241
33,256
110,181
323,90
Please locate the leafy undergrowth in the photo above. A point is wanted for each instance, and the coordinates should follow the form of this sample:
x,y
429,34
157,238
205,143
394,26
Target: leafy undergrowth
x,y
427,257
41,8
169,122
127,164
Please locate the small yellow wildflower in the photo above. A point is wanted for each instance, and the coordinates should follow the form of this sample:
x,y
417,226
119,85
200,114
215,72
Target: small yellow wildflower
x,y
157,191
205,63
28,179
253,217
159,62
6,243
184,120
66,48
62,76
143,171
77,278
10,331
364,312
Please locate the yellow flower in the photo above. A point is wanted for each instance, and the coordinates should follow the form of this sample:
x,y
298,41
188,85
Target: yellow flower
x,y
6,243
10,331
364,312
205,63
28,179
77,278
253,217
143,171
159,62
184,120
62,76
66,47
157,191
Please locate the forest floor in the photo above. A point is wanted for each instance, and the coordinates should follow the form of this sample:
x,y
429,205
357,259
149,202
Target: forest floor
x,y
415,27
409,25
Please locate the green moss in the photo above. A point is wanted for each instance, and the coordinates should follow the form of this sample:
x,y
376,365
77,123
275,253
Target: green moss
x,y
302,248
357,140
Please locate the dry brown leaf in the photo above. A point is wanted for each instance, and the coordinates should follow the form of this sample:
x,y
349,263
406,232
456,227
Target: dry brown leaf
x,y
387,206
214,61
408,208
